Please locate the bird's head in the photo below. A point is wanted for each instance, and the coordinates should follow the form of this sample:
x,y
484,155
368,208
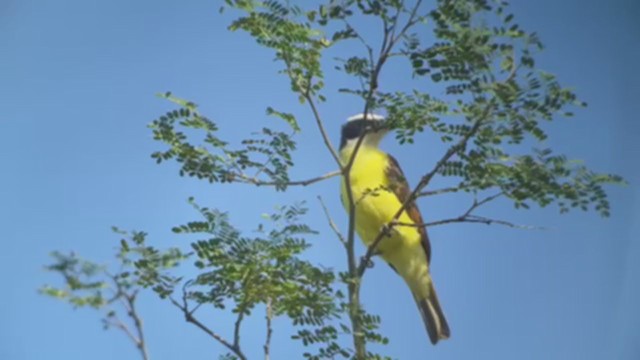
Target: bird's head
x,y
371,126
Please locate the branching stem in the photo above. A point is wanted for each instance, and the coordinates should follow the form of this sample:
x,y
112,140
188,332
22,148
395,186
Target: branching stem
x,y
190,318
128,301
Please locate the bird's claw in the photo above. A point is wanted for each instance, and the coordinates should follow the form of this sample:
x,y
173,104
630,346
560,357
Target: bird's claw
x,y
369,262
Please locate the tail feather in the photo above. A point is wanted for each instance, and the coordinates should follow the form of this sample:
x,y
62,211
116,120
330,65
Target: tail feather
x,y
433,317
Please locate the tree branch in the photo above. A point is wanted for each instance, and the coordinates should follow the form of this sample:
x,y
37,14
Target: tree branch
x,y
236,329
470,218
114,320
188,315
323,131
481,220
137,321
267,342
440,191
257,182
332,224
128,302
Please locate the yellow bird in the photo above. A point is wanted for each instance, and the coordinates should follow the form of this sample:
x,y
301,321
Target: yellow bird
x,y
379,189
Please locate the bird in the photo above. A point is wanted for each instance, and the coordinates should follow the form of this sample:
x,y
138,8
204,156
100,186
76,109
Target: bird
x,y
379,188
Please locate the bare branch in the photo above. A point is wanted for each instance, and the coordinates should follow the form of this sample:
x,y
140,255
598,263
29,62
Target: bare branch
x,y
440,191
323,131
476,204
188,315
333,225
267,342
468,217
114,320
128,302
257,182
137,321
395,20
481,220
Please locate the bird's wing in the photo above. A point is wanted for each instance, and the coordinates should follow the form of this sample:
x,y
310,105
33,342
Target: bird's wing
x,y
401,189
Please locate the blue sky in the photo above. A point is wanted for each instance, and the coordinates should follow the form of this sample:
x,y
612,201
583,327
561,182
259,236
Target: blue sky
x,y
77,88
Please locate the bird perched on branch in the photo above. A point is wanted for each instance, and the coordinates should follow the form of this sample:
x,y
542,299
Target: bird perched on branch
x,y
379,189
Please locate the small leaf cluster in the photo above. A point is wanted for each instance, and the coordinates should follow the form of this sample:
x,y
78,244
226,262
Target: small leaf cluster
x,y
115,293
268,153
150,267
542,178
289,31
84,281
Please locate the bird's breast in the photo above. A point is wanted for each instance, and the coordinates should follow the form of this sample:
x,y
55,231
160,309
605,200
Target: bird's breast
x,y
375,202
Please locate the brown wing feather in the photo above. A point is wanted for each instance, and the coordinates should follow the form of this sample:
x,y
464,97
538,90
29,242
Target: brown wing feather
x,y
402,191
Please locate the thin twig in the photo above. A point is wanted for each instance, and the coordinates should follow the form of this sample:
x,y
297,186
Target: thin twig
x,y
304,90
137,321
323,131
128,302
440,191
115,321
257,182
332,224
411,22
468,217
395,20
188,315
482,220
367,47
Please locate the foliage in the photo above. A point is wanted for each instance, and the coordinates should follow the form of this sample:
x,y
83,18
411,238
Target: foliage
x,y
492,113
268,154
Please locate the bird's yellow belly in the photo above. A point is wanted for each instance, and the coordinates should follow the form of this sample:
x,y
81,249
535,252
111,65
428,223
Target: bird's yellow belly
x,y
376,206
402,249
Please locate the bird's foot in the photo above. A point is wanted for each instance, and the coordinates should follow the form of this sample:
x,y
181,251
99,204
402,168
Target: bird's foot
x,y
369,262
388,228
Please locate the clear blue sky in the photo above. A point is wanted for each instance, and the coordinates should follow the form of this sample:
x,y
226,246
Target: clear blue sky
x,y
77,84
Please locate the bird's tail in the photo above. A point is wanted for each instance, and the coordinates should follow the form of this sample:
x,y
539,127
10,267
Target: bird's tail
x,y
433,317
